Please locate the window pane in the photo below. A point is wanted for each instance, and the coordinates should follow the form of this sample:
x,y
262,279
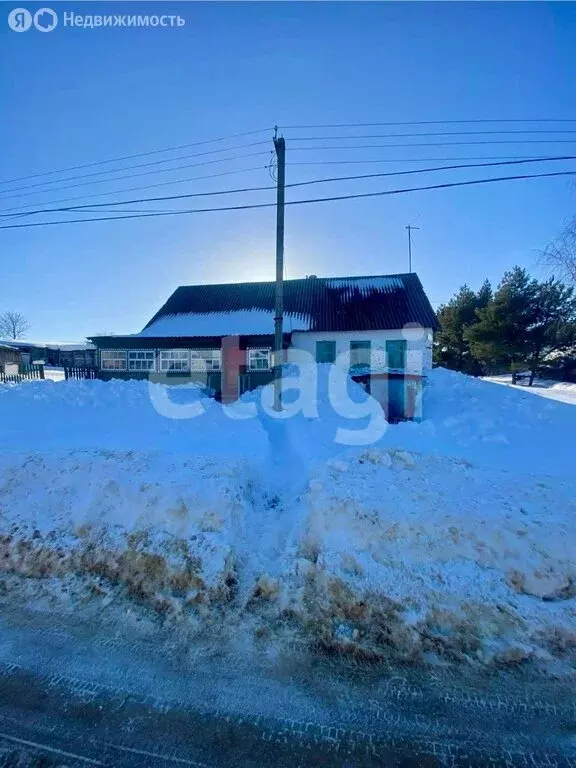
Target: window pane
x,y
259,359
141,361
174,360
360,354
325,351
113,360
206,359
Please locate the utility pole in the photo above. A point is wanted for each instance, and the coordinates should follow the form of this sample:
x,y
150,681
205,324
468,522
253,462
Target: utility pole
x,y
410,227
280,147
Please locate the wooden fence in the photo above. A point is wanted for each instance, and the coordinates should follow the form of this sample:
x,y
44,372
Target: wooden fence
x,y
79,372
25,373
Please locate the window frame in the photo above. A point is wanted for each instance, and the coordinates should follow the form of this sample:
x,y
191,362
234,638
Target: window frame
x,y
122,352
251,351
216,356
141,352
166,368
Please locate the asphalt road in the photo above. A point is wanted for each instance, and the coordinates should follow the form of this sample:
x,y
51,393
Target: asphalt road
x,y
74,693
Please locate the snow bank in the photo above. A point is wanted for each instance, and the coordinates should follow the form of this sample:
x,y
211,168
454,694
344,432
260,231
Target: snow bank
x,y
451,539
491,425
118,415
466,561
161,525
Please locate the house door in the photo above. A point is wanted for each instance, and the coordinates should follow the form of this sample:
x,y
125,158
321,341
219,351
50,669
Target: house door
x,y
396,399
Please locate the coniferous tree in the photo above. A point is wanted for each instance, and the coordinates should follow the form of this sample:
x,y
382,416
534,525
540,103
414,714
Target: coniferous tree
x,y
523,323
452,348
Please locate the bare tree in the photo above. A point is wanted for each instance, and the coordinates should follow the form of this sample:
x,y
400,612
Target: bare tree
x,y
559,256
13,325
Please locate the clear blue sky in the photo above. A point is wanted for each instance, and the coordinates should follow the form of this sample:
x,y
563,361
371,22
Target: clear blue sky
x,y
74,96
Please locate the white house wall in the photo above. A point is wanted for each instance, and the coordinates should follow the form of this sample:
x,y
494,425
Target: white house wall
x,y
418,352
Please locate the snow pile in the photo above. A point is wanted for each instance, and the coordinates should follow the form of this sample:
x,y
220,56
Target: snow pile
x,y
450,539
460,559
491,425
120,415
135,519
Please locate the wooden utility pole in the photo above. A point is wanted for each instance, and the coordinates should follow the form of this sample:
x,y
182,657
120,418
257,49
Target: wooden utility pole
x,y
280,147
410,227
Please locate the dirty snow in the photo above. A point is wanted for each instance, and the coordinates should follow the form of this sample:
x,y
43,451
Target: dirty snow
x,y
450,540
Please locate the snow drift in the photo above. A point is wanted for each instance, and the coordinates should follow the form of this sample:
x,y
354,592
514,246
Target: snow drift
x,y
452,539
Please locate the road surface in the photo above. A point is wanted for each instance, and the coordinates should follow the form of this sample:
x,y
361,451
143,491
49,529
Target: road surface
x,y
75,693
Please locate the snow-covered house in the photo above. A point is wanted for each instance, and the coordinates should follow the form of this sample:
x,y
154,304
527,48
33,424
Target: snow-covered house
x,y
379,327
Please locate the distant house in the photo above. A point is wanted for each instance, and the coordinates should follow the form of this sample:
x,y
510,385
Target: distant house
x,y
380,328
9,358
55,353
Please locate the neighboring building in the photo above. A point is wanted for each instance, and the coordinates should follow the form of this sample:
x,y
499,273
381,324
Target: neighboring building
x,y
55,353
9,358
379,327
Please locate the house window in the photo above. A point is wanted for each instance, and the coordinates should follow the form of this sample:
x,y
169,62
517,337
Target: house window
x,y
259,359
174,360
360,355
113,359
141,361
206,359
396,354
325,351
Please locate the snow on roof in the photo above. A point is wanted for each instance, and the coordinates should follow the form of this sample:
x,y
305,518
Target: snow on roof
x,y
242,322
367,284
66,346
314,303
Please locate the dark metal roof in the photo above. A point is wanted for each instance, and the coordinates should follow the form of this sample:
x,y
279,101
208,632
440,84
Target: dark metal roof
x,y
322,303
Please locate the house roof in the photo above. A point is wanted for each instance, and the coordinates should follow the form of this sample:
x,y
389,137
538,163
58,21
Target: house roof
x,y
310,304
63,346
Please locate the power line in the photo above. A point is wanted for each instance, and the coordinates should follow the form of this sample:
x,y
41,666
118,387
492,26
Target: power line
x,y
136,175
138,165
436,144
356,177
3,211
410,160
434,122
264,130
359,195
140,154
257,168
434,133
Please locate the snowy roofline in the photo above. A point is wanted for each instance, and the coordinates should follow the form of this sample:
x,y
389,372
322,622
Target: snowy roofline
x,y
342,278
70,346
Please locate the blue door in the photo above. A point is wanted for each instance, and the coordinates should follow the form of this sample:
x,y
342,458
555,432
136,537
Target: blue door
x,y
396,399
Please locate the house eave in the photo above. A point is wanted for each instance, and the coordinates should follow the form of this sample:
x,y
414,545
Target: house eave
x,y
184,342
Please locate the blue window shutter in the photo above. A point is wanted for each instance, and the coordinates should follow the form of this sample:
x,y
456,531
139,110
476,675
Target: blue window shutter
x,y
325,351
396,354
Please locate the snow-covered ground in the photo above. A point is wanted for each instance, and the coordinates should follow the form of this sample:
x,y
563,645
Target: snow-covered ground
x,y
564,392
453,539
